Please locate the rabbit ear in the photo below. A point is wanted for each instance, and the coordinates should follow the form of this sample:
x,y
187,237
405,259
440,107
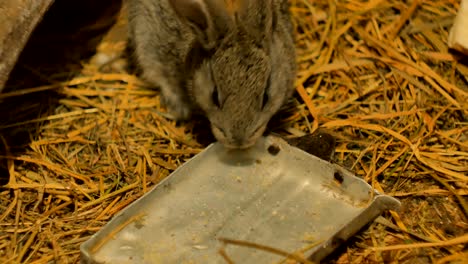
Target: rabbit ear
x,y
256,17
208,20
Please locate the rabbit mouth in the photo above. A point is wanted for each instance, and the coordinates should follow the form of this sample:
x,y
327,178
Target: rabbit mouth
x,y
238,142
243,146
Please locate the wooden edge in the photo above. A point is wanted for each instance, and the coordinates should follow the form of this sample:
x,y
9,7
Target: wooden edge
x,y
458,36
17,22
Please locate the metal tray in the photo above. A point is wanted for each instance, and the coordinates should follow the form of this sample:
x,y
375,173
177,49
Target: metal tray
x,y
273,194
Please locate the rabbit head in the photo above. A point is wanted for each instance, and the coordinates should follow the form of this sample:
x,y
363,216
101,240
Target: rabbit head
x,y
242,65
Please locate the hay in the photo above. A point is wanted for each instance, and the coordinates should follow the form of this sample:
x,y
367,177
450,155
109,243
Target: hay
x,y
377,74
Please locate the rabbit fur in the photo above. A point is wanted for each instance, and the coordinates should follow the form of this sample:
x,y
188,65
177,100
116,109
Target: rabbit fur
x,y
232,60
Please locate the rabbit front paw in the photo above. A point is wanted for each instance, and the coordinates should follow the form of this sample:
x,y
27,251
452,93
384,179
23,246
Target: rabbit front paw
x,y
177,108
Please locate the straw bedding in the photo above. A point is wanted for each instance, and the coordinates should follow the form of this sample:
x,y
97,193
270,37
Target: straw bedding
x,y
375,74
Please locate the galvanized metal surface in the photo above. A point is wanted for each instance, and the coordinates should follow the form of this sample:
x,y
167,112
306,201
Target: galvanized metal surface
x,y
273,194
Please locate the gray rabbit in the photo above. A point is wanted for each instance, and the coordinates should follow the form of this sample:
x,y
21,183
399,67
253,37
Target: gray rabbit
x,y
232,59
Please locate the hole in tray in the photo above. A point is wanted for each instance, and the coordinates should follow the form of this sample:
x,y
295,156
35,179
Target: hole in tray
x,y
273,149
338,177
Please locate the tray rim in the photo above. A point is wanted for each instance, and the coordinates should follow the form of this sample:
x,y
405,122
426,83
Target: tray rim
x,y
380,202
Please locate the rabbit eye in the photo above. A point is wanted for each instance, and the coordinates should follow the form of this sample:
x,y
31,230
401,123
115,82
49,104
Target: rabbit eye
x,y
265,99
265,94
215,97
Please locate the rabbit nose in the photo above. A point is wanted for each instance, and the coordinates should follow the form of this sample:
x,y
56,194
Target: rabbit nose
x,y
238,140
